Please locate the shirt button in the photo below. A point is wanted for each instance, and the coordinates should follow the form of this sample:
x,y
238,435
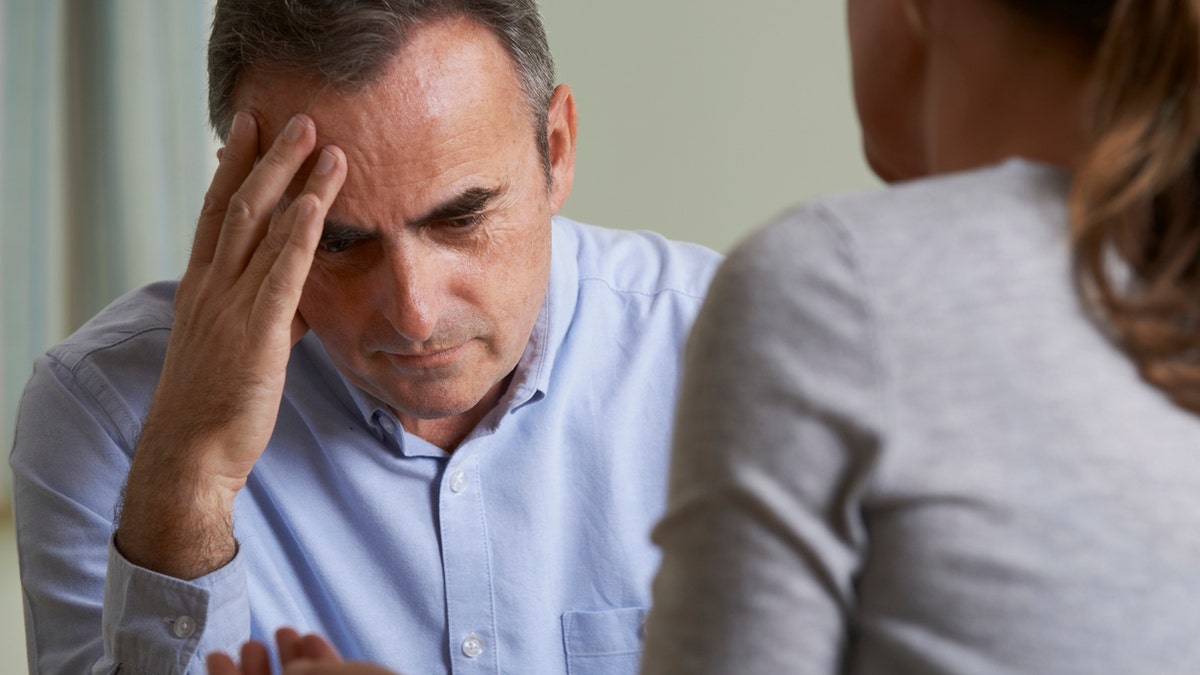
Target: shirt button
x,y
458,482
472,646
183,627
387,424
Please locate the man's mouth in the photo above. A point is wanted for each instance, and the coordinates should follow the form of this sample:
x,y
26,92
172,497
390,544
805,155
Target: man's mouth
x,y
427,358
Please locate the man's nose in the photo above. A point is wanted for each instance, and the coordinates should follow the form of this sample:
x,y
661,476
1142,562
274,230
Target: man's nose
x,y
412,299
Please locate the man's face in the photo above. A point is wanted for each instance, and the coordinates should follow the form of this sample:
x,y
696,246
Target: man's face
x,y
436,253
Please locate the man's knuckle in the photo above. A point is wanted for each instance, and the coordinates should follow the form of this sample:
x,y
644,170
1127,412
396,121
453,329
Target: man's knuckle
x,y
212,205
278,286
240,208
277,159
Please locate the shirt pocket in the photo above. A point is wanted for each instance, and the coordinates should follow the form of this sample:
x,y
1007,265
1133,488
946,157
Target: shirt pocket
x,y
605,642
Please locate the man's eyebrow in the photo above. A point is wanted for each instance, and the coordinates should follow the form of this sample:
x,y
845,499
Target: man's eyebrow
x,y
470,202
339,230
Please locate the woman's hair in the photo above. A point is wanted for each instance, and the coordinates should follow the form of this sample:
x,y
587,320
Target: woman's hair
x,y
1135,197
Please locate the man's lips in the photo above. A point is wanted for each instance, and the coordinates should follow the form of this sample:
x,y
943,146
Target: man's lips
x,y
426,359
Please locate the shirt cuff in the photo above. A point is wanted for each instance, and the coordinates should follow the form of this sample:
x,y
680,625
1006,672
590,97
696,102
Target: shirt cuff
x,y
154,623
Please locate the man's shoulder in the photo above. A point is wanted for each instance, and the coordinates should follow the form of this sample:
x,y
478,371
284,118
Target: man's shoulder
x,y
136,322
637,261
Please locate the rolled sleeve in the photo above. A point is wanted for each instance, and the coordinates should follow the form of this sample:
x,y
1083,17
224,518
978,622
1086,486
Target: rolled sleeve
x,y
159,624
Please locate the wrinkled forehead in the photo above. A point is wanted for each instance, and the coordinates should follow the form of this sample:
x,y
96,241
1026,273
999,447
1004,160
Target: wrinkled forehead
x,y
451,75
447,114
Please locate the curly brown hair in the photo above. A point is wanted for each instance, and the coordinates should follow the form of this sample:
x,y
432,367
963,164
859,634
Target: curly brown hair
x,y
1135,199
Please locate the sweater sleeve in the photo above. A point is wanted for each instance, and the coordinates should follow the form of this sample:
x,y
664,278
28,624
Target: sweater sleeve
x,y
776,441
86,608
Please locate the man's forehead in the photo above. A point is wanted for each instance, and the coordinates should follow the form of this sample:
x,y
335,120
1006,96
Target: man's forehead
x,y
444,115
446,68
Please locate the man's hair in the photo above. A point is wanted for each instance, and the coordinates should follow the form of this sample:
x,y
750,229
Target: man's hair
x,y
348,43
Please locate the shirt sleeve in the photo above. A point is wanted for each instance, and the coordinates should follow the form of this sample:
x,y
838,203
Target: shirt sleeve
x,y
776,440
158,624
87,609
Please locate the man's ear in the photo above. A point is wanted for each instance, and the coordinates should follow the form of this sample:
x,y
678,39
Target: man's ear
x,y
561,126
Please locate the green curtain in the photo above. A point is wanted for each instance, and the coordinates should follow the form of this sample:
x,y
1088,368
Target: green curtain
x,y
106,158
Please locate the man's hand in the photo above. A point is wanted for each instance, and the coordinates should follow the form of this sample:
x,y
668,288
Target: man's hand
x,y
307,655
235,324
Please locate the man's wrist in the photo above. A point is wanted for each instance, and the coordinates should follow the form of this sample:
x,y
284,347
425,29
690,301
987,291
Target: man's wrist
x,y
185,547
175,520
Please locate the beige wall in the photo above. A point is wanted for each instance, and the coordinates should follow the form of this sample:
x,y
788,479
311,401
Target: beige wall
x,y
703,118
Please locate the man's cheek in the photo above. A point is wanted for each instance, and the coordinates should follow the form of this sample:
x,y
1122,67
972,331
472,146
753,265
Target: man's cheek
x,y
315,308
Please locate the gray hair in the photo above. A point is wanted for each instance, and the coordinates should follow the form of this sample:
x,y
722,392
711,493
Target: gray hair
x,y
347,44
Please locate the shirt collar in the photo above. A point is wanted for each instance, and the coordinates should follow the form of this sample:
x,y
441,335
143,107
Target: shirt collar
x,y
531,378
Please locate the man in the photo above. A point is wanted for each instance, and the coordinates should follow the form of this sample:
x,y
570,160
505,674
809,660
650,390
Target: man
x,y
391,401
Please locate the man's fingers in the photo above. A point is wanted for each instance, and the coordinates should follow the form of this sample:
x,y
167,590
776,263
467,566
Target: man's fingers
x,y
250,207
306,667
299,328
284,259
234,163
221,664
292,647
287,640
279,295
255,659
315,647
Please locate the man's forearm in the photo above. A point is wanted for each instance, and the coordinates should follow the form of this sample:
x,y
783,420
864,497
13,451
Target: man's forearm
x,y
174,520
234,325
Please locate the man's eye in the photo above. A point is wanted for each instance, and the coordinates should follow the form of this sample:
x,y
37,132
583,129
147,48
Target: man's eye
x,y
336,245
463,222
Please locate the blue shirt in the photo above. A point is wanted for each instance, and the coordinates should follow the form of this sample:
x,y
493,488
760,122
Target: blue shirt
x,y
526,550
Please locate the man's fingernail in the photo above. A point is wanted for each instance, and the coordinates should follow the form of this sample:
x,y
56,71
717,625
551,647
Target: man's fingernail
x,y
294,129
240,120
324,163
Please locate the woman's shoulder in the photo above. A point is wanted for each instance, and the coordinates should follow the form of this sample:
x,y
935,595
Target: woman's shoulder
x,y
1015,191
973,211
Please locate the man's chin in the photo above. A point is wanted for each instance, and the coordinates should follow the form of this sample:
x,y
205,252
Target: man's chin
x,y
429,413
434,402
426,396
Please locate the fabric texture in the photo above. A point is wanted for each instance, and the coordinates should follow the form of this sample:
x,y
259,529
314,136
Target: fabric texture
x,y
903,448
495,558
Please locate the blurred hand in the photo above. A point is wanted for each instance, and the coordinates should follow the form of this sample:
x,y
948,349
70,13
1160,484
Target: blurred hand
x,y
300,655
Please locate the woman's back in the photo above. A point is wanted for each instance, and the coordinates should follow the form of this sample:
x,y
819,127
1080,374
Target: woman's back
x,y
941,464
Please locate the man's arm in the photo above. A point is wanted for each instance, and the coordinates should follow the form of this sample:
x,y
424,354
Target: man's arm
x,y
88,609
235,324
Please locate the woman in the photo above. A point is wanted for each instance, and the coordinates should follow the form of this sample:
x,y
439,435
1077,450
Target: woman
x,y
950,427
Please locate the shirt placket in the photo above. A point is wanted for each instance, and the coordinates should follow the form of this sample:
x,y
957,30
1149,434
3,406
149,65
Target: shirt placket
x,y
466,561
